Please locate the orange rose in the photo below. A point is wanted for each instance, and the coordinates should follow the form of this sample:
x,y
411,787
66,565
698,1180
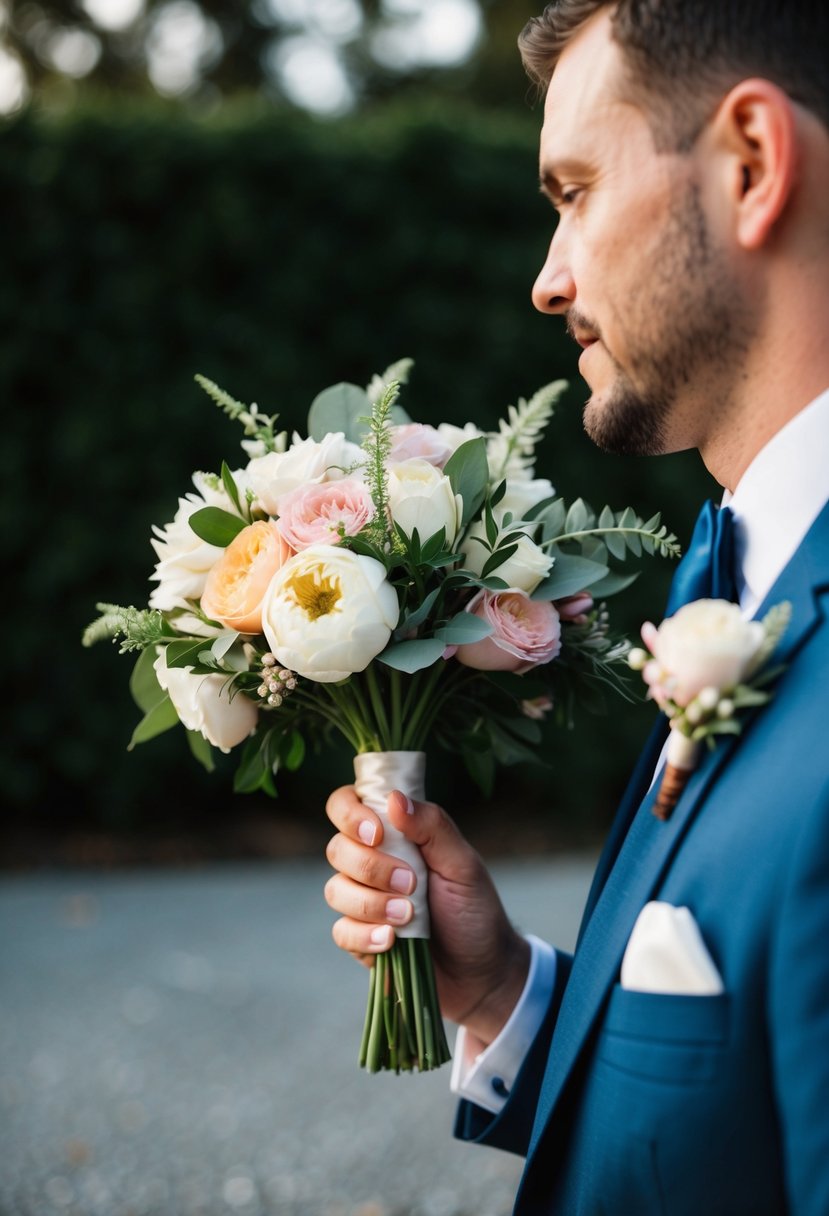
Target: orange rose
x,y
237,583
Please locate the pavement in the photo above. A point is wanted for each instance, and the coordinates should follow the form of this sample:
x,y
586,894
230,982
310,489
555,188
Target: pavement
x,y
183,1042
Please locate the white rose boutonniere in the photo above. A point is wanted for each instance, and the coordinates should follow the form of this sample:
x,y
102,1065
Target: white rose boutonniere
x,y
703,666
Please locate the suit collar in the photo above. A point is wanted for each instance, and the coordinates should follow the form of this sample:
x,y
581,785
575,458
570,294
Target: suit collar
x,y
650,843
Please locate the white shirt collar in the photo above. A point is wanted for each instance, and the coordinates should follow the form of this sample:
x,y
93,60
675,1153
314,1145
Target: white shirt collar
x,y
778,498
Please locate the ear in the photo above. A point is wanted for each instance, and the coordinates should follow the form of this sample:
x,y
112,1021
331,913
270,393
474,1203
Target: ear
x,y
757,128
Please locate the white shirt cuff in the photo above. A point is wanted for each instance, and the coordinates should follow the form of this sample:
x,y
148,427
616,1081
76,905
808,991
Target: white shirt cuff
x,y
485,1075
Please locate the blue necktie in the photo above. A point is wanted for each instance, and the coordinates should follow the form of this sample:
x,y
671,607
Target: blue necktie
x,y
706,570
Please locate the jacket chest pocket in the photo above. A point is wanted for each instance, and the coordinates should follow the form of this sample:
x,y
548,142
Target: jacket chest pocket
x,y
660,1037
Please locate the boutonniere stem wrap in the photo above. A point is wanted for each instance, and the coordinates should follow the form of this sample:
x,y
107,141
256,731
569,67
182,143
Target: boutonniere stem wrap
x,y
704,666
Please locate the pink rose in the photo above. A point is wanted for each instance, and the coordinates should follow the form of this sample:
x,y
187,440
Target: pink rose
x,y
319,514
417,439
525,632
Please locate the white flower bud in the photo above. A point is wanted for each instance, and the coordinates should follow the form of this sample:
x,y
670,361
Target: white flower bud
x,y
708,699
637,658
725,709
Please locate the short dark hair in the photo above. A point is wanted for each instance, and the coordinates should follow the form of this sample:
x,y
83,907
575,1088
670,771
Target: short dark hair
x,y
683,55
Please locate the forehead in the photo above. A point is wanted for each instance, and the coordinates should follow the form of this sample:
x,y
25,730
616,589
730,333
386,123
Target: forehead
x,y
585,107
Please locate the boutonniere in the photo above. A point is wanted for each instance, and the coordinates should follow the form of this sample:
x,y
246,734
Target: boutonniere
x,y
704,666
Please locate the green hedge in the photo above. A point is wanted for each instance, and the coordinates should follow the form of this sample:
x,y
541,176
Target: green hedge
x,y
275,255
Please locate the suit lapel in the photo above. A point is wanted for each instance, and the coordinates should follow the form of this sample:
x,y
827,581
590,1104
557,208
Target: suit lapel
x,y
641,860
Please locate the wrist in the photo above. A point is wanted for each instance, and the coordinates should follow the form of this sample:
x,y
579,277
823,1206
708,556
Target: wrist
x,y
487,1017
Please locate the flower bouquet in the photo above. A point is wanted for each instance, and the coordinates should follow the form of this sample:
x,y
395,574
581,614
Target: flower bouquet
x,y
401,584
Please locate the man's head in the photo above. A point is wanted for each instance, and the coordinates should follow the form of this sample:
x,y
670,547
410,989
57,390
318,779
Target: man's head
x,y
690,174
681,56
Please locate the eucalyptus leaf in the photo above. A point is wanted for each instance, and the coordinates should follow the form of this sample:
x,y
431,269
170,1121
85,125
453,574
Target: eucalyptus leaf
x,y
468,473
342,407
612,584
578,517
223,643
215,526
553,518
414,655
465,627
421,612
569,575
615,544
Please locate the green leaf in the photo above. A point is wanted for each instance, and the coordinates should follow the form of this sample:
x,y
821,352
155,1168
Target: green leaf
x,y
615,544
497,559
294,753
420,613
465,627
553,518
342,407
538,509
230,486
578,517
187,652
468,474
215,526
144,686
253,769
433,546
480,764
201,749
568,576
160,718
612,584
414,655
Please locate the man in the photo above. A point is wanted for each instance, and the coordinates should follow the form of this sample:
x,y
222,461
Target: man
x,y
685,147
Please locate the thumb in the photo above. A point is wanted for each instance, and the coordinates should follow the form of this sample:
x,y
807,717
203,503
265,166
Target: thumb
x,y
444,850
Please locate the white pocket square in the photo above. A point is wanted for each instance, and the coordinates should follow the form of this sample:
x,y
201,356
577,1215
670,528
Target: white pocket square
x,y
666,954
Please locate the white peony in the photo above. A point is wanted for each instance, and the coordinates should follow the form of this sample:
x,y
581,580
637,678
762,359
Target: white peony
x,y
522,571
304,463
328,612
421,497
183,559
520,496
706,644
454,436
204,704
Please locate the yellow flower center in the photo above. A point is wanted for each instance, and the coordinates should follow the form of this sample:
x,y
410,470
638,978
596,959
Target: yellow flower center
x,y
315,593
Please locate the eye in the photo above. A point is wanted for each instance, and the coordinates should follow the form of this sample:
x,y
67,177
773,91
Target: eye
x,y
568,196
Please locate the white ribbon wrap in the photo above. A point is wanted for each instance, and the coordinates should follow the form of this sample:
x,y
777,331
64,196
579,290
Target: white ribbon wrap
x,y
377,774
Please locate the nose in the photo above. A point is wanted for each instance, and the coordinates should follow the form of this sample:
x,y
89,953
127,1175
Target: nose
x,y
554,291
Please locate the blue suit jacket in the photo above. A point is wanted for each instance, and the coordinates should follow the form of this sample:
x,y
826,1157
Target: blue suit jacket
x,y
642,1104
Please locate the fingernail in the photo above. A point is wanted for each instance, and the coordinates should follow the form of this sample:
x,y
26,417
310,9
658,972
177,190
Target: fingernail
x,y
380,936
367,832
402,881
409,806
398,909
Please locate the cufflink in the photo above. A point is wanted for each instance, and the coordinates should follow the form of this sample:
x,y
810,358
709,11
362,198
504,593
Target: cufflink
x,y
499,1087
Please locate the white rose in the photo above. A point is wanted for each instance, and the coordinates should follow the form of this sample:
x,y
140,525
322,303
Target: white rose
x,y
184,559
522,571
706,644
454,436
520,496
203,703
421,497
328,612
305,462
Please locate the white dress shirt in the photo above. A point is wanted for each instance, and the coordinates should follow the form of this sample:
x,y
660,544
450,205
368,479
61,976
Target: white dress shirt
x,y
775,503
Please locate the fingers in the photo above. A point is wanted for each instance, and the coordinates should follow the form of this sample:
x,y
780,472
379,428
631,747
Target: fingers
x,y
353,817
363,941
444,849
369,867
363,905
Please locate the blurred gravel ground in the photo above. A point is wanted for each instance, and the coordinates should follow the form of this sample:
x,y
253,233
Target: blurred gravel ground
x,y
184,1043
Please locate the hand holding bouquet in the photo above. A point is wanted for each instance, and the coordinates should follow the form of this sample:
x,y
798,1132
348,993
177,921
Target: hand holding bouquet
x,y
398,583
